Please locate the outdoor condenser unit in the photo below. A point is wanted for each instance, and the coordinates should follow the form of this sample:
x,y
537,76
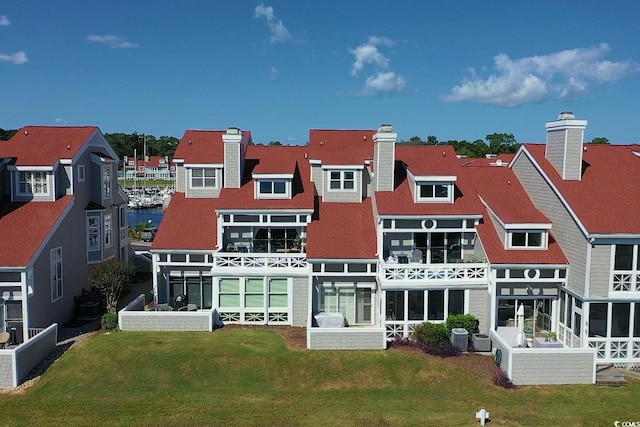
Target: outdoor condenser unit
x,y
460,338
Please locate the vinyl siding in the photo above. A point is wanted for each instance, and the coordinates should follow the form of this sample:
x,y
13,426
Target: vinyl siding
x,y
384,153
344,196
232,169
600,271
555,149
566,231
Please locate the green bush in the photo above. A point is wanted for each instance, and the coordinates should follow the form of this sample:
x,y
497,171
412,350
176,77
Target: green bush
x,y
466,321
109,321
433,334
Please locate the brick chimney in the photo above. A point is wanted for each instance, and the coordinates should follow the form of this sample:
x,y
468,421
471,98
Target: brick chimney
x,y
234,147
384,158
565,138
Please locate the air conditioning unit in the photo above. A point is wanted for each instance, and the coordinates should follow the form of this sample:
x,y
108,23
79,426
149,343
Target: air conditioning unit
x,y
481,342
460,338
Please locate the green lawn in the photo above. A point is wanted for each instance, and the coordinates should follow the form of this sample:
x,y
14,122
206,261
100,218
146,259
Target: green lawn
x,y
248,377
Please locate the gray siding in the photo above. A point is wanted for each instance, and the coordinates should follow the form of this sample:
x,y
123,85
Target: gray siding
x,y
6,369
367,184
180,179
600,271
344,196
300,304
552,367
232,168
317,177
384,159
31,353
555,149
565,230
63,180
165,321
203,193
479,307
346,339
499,228
573,155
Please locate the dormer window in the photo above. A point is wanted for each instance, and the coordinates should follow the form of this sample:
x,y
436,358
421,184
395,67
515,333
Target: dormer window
x,y
534,239
203,178
434,191
271,188
341,180
106,180
33,183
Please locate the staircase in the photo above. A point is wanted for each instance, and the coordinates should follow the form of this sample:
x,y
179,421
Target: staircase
x,y
608,376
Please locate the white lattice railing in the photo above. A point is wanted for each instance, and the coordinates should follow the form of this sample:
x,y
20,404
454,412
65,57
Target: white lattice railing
x,y
260,260
626,282
616,350
448,272
400,329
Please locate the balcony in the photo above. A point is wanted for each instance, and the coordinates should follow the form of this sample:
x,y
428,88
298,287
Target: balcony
x,y
235,260
459,273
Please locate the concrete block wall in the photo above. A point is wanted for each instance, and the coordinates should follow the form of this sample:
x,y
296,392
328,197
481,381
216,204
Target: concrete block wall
x,y
346,339
553,366
32,352
300,304
165,321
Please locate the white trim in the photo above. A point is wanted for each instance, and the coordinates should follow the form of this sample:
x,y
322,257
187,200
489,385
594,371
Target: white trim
x,y
203,165
431,178
544,176
342,167
30,168
529,226
272,176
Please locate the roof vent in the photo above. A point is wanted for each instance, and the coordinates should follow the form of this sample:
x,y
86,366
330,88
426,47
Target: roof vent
x,y
26,132
233,131
386,128
566,115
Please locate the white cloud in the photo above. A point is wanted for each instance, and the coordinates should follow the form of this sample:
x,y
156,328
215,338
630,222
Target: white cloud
x,y
16,58
112,41
368,53
4,21
382,83
566,75
274,74
279,33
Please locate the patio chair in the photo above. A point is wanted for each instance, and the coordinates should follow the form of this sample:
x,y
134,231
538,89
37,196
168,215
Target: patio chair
x,y
163,307
4,339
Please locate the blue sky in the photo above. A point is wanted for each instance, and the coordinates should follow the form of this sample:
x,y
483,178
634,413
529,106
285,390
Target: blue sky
x,y
454,69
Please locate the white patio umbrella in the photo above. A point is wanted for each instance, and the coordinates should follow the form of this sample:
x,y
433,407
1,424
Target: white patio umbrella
x,y
520,338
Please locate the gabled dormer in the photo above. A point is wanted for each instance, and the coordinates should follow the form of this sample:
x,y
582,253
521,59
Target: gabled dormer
x,y
432,188
520,235
273,186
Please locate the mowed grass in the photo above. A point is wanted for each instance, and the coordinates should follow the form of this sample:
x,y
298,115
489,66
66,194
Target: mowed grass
x,y
249,377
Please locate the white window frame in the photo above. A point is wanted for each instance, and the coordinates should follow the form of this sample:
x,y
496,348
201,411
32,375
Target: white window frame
x,y
339,297
543,239
55,257
625,282
434,198
81,173
106,181
341,180
204,178
30,181
271,194
93,234
108,231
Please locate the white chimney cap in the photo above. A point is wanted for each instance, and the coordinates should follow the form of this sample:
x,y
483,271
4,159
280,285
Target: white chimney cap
x,y
233,131
566,115
385,128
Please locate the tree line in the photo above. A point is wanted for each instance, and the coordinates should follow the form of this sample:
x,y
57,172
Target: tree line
x,y
125,144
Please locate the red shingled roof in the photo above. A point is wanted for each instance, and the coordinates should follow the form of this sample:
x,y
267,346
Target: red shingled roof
x,y
188,224
341,147
203,146
274,159
606,199
343,231
45,145
25,226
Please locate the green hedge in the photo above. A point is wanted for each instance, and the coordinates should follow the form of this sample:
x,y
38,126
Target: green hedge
x,y
466,321
434,334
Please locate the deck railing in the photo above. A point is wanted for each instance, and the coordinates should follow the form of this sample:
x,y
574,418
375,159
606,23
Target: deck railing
x,y
251,260
435,272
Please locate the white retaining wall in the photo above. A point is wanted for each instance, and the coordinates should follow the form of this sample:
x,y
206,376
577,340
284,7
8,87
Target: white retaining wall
x,y
536,366
17,362
346,338
134,318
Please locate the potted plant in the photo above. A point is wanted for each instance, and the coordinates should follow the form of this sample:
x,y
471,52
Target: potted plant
x,y
552,336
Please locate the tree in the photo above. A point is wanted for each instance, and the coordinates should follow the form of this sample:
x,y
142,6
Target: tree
x,y
414,140
432,140
6,135
275,143
502,143
111,279
599,140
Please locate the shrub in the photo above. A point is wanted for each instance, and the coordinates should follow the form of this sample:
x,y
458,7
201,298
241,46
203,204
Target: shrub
x,y
111,279
466,321
431,334
401,342
501,379
443,350
109,321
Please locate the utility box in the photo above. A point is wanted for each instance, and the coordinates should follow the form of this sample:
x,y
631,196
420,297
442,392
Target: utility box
x,y
460,338
481,342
